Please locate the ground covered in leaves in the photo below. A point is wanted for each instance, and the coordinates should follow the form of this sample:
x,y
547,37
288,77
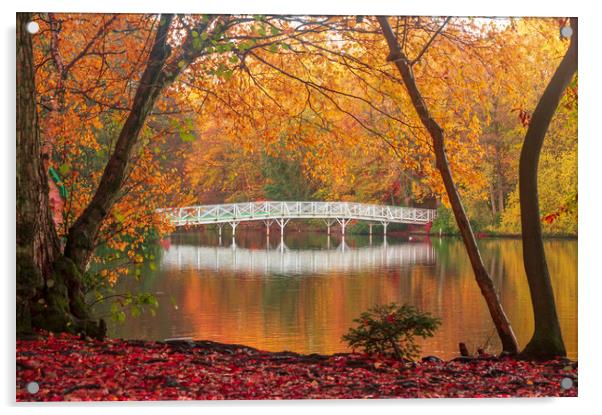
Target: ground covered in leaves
x,y
67,368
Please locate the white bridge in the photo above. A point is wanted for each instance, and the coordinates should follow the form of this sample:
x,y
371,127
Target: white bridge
x,y
282,212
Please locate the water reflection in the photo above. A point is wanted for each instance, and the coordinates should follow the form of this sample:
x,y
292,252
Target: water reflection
x,y
283,260
302,293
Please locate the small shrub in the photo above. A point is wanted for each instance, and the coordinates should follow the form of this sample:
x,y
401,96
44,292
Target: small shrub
x,y
391,330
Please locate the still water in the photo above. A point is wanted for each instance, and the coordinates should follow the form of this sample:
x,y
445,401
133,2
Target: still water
x,y
302,293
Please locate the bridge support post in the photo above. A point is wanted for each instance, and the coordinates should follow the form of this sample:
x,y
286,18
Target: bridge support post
x,y
329,223
268,223
282,223
370,228
343,223
234,225
219,227
385,224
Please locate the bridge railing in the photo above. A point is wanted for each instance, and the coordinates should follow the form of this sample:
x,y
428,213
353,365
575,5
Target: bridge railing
x,y
239,212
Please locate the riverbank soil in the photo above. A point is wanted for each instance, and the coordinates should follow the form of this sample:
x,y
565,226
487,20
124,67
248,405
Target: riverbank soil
x,y
66,368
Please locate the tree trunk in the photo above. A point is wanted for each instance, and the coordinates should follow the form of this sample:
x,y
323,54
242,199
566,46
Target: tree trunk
x,y
158,74
492,200
396,55
547,338
37,242
63,308
82,234
43,276
500,196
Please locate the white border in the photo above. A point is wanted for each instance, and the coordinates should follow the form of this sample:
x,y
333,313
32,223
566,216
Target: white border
x,y
590,172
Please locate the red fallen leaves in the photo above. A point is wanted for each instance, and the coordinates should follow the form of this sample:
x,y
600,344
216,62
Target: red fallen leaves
x,y
70,369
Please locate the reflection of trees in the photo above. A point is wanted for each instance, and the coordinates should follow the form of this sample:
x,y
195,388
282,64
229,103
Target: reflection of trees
x,y
309,313
562,264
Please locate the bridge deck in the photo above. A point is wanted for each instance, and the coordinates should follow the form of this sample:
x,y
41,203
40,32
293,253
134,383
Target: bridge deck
x,y
253,211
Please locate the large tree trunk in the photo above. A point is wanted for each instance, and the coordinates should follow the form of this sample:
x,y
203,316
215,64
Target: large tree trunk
x,y
44,278
69,311
547,338
502,325
37,242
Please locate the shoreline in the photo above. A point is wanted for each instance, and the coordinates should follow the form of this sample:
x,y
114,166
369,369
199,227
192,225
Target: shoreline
x,y
69,368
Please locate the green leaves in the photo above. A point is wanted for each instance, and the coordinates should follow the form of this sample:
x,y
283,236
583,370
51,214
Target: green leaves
x,y
187,137
390,330
223,71
185,129
64,169
196,43
137,304
246,45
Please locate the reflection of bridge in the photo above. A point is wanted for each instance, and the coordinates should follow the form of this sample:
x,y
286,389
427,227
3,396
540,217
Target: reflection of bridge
x,y
282,212
284,261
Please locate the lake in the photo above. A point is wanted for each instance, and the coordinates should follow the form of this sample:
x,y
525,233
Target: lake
x,y
303,292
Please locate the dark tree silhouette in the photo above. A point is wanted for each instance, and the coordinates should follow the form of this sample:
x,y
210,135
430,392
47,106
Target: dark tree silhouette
x,y
547,339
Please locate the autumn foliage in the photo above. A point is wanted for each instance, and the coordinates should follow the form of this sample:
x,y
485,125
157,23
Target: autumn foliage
x,y
283,91
77,370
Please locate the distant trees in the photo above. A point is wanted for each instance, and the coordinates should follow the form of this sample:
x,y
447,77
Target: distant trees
x,y
285,179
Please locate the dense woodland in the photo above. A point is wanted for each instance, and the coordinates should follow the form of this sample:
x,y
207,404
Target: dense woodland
x,y
306,116
137,112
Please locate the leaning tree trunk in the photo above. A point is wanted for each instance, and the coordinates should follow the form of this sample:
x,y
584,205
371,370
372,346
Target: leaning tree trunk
x,y
502,325
547,338
37,242
161,70
82,235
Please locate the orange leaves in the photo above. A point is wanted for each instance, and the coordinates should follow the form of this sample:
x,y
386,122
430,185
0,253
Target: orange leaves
x,y
325,97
